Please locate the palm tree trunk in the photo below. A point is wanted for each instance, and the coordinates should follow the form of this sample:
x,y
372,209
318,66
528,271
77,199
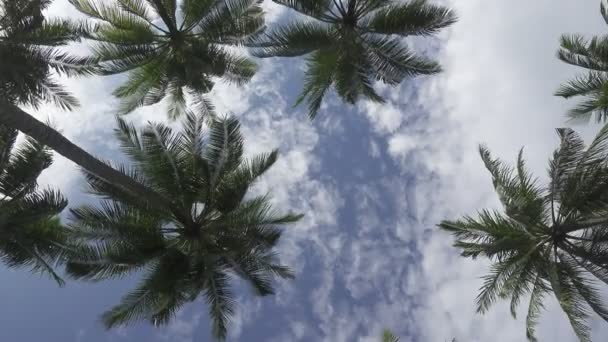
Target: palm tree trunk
x,y
13,117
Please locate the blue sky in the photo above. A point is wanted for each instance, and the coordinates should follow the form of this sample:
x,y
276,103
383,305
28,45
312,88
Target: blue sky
x,y
373,180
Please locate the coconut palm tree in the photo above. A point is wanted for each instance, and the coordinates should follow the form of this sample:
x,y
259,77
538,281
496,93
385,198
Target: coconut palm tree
x,y
351,43
30,53
212,229
549,239
592,86
30,232
170,49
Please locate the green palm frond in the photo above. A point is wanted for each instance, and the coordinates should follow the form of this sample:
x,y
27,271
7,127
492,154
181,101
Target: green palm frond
x,y
550,239
321,70
393,62
353,79
294,39
233,22
415,18
534,307
208,232
154,298
360,39
224,150
220,302
137,8
20,167
590,54
233,188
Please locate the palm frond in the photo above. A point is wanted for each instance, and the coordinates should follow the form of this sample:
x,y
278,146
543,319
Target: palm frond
x,y
138,8
294,39
320,75
312,8
114,15
224,148
534,308
416,17
22,166
588,54
353,78
232,22
394,61
570,301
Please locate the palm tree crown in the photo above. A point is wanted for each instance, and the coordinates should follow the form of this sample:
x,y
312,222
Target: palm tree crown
x,y
351,43
29,54
30,232
553,238
591,54
175,55
209,232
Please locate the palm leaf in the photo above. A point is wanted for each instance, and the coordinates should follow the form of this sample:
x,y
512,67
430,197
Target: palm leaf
x,y
416,17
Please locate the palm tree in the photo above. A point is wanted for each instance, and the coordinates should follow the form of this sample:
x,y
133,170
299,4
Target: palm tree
x,y
177,55
549,239
30,232
210,232
29,50
351,43
591,54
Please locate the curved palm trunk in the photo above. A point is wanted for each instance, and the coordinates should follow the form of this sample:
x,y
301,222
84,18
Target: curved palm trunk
x,y
14,117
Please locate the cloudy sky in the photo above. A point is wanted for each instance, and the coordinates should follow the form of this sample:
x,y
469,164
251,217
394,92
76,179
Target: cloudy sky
x,y
373,180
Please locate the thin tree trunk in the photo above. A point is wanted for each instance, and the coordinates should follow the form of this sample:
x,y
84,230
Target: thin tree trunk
x,y
13,117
